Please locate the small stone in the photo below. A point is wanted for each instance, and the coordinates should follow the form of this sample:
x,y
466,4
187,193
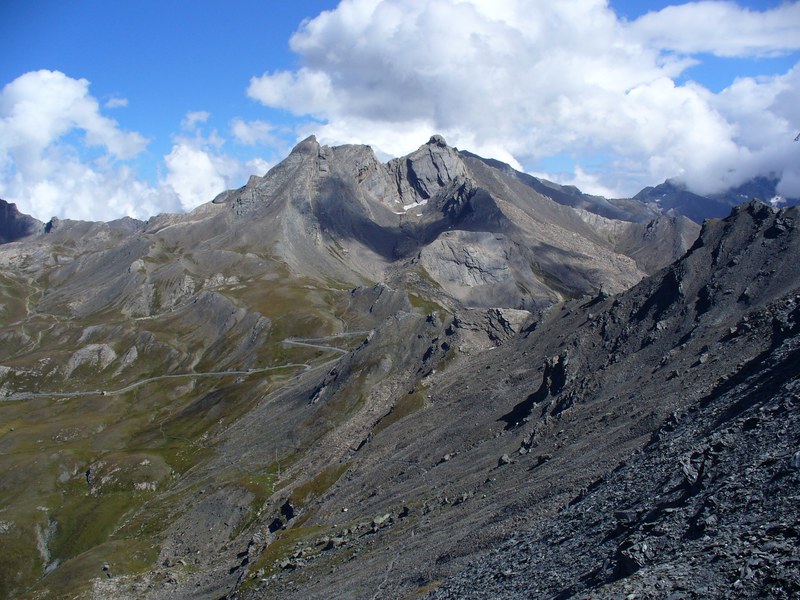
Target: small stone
x,y
335,542
380,521
690,472
626,517
508,574
795,462
632,557
504,460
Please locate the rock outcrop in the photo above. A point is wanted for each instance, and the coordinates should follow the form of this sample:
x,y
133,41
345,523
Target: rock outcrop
x,y
14,225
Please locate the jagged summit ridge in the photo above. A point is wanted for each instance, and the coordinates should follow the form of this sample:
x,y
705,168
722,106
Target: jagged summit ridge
x,y
422,174
484,234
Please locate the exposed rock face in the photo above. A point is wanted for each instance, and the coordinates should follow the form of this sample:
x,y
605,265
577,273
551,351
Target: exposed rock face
x,y
94,356
482,233
468,265
479,329
14,225
422,174
554,379
505,323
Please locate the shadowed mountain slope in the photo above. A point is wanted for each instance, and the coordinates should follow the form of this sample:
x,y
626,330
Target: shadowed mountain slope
x,y
15,225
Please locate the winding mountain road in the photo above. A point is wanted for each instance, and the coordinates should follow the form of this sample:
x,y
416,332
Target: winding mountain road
x,y
306,343
309,342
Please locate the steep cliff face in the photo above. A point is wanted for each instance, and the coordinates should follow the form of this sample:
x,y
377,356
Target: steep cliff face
x,y
422,174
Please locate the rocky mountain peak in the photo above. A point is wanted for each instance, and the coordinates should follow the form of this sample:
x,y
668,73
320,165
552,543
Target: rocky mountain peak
x,y
673,197
424,172
309,146
15,225
488,235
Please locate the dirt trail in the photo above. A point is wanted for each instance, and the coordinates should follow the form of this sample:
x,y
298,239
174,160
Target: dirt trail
x,y
293,342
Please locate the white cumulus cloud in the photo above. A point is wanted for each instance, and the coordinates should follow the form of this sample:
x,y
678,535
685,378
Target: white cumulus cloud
x,y
722,28
254,133
522,80
198,168
41,106
116,102
60,156
193,118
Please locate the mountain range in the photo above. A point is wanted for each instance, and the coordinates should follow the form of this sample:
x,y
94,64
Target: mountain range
x,y
433,377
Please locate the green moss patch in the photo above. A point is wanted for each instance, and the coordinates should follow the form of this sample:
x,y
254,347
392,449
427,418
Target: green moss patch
x,y
424,305
306,492
406,405
73,578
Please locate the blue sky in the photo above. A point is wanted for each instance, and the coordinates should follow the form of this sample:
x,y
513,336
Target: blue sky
x,y
112,108
164,57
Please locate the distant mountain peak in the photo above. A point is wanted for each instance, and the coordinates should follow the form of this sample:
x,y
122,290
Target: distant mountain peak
x,y
675,198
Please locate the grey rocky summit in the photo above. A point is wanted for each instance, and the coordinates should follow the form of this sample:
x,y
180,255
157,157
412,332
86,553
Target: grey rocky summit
x,y
14,225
